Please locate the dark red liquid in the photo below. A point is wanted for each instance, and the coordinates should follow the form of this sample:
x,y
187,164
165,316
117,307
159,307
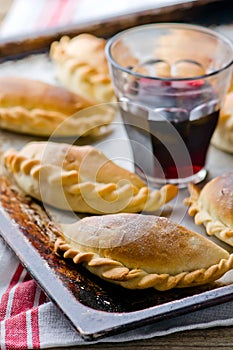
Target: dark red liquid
x,y
172,148
196,136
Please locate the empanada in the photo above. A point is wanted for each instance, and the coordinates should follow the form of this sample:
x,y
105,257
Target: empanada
x,y
185,52
38,108
213,206
223,135
82,67
141,251
82,179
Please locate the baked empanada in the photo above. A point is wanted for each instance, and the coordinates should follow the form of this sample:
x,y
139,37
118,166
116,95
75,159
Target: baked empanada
x,y
37,108
82,67
223,135
213,206
82,179
141,251
185,52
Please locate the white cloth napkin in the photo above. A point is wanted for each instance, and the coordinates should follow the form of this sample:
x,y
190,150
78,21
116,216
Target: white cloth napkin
x,y
26,17
28,320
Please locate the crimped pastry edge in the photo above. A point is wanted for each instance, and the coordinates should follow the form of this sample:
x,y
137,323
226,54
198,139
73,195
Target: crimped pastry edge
x,y
203,217
115,272
139,199
70,70
223,135
46,123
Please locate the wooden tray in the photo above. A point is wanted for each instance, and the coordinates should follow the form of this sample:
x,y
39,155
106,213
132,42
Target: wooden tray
x,y
193,11
94,307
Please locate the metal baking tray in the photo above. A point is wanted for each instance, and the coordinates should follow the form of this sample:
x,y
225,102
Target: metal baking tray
x,y
94,307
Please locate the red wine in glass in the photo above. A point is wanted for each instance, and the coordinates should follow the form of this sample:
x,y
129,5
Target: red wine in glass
x,y
167,122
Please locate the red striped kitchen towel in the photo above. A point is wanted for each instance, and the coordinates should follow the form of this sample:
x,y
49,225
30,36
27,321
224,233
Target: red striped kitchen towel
x,y
19,311
28,320
19,307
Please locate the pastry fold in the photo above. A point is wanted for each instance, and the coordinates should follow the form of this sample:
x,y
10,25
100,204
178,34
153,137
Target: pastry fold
x,y
38,108
81,66
223,135
213,206
141,251
82,179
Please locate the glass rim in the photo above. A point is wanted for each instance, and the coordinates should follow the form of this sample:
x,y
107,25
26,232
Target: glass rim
x,y
171,25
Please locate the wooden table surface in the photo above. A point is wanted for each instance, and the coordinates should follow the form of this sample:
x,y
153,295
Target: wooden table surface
x,y
212,338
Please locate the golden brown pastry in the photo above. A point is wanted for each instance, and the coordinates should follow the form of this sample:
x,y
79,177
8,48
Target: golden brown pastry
x,y
141,251
37,108
180,49
223,135
231,85
213,206
82,179
82,67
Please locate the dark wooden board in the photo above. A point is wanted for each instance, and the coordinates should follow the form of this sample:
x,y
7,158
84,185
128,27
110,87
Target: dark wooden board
x,y
199,11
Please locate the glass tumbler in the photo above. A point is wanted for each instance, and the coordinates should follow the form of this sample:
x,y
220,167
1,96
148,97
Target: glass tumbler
x,y
170,80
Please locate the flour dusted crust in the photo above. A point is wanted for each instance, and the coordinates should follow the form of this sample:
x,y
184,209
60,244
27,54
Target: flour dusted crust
x,y
213,206
142,251
82,67
223,135
37,108
82,179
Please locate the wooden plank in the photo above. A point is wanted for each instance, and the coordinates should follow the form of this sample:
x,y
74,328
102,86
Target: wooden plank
x,y
41,41
203,339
